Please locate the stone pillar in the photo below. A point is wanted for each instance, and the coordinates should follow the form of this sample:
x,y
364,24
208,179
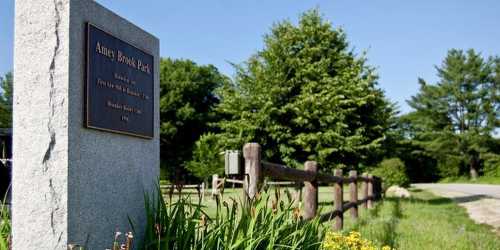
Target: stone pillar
x,y
72,184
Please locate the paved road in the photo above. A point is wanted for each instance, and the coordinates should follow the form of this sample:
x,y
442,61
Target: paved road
x,y
481,201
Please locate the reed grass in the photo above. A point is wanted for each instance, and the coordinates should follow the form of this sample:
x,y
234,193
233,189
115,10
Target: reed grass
x,y
268,222
5,226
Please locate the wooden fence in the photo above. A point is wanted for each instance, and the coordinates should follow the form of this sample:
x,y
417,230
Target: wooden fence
x,y
256,170
170,188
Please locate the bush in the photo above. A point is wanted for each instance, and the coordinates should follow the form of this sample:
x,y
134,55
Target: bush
x,y
451,166
491,163
207,159
393,172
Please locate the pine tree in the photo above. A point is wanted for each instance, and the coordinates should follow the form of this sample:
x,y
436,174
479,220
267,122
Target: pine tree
x,y
6,101
457,116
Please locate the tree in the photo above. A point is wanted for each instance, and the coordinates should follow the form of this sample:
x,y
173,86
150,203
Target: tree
x,y
455,118
187,103
6,101
306,96
399,143
207,159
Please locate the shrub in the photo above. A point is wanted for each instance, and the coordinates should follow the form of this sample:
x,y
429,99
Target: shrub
x,y
491,163
207,159
451,166
393,172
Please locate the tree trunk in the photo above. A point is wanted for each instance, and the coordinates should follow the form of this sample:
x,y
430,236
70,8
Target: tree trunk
x,y
473,169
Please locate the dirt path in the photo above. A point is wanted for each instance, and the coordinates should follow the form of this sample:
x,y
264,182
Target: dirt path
x,y
481,201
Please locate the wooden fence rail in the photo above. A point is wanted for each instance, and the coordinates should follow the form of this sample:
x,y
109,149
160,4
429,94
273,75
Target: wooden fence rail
x,y
168,188
256,170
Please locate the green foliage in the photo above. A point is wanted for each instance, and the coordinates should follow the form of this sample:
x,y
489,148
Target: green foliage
x,y
420,166
450,165
187,103
393,172
269,224
491,164
6,101
306,96
5,226
425,221
207,159
454,119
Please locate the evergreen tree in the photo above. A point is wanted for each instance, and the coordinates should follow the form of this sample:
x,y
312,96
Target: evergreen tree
x,y
6,101
455,118
306,96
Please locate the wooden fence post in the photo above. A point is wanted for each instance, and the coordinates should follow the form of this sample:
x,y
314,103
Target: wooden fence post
x,y
339,200
253,173
215,182
203,191
310,192
370,191
353,189
365,190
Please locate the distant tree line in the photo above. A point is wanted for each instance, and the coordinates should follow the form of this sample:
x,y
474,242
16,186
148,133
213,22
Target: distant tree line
x,y
308,96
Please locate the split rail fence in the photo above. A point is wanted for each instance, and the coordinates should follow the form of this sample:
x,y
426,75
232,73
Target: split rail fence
x,y
199,188
256,170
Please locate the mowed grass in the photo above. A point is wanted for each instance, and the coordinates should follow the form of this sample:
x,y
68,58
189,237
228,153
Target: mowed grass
x,y
325,197
424,221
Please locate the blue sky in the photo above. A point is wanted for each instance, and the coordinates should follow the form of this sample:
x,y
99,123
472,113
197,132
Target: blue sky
x,y
404,39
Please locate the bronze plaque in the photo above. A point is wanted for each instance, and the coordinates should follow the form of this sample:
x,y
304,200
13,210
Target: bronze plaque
x,y
119,86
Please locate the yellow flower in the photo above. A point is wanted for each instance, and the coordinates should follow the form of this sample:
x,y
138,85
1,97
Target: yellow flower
x,y
351,241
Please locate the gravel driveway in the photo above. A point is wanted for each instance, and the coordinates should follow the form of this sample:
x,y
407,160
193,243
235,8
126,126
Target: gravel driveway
x,y
481,201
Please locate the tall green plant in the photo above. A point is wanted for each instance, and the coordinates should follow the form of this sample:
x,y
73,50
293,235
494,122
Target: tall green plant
x,y
270,223
5,227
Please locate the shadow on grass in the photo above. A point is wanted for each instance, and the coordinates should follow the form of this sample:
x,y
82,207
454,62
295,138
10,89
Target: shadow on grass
x,y
445,201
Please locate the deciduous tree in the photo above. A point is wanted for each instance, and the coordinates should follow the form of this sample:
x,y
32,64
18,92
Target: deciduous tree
x,y
306,96
187,103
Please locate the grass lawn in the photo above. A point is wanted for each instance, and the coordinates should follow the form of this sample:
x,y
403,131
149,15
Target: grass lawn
x,y
480,180
423,222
